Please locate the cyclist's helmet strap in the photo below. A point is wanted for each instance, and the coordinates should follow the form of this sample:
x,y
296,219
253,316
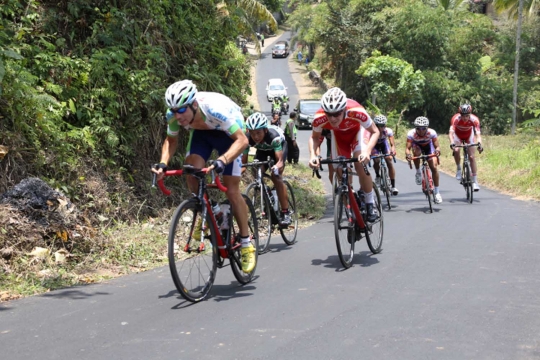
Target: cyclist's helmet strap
x,y
421,121
257,121
380,120
465,109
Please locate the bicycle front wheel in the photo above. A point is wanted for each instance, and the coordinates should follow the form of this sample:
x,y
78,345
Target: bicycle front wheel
x,y
263,214
235,256
289,233
192,251
344,228
468,182
428,184
386,184
375,230
335,184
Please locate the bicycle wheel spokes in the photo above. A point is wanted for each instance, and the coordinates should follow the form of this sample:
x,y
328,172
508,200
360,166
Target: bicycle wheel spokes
x,y
428,187
375,230
344,229
335,183
192,252
469,183
263,215
235,256
289,233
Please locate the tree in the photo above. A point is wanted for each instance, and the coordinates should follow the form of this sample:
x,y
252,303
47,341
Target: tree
x,y
531,7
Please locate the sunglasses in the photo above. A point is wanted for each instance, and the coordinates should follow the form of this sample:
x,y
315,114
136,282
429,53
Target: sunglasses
x,y
336,114
381,125
421,128
180,110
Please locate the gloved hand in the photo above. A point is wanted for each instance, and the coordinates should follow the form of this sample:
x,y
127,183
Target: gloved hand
x,y
480,148
219,166
408,157
438,152
452,146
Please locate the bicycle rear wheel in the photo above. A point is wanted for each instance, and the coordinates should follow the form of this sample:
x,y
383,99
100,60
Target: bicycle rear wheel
x,y
468,182
263,214
385,184
344,228
427,186
289,233
375,230
192,261
235,256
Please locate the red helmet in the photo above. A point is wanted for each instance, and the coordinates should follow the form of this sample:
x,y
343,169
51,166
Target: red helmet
x,y
465,109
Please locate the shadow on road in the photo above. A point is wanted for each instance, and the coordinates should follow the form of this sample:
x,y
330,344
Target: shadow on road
x,y
73,294
364,259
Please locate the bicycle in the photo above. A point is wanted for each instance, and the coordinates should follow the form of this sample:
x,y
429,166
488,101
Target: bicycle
x,y
193,262
466,177
350,214
267,207
386,184
427,179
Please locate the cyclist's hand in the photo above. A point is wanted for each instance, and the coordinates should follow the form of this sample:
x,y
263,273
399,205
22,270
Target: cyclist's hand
x,y
452,146
219,166
314,163
480,148
408,157
159,169
363,158
437,152
275,170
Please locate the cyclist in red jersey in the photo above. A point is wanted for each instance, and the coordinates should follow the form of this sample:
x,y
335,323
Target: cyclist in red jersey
x,y
347,120
465,126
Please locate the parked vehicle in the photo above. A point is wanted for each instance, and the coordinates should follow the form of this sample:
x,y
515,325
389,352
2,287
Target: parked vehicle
x,y
305,110
280,49
274,88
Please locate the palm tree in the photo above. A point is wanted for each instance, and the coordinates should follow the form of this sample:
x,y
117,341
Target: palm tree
x,y
449,4
530,7
244,15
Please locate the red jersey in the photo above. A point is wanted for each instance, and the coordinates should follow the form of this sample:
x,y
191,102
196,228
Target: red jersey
x,y
464,128
355,117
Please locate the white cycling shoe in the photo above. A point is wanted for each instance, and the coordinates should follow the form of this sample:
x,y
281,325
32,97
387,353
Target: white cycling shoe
x,y
458,175
418,178
438,198
475,187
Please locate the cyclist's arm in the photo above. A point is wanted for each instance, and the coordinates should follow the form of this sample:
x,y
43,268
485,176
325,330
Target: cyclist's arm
x,y
375,133
244,160
392,144
408,148
451,134
314,142
477,131
436,144
168,149
279,157
237,147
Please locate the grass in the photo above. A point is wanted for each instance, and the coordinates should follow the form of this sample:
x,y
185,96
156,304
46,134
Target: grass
x,y
509,164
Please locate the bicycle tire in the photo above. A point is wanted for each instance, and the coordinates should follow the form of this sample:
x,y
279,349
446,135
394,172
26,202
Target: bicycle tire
x,y
185,260
468,183
344,240
263,214
234,253
289,234
386,184
428,187
375,230
335,183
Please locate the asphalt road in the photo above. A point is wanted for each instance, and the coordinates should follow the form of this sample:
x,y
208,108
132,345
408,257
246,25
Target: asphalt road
x,y
461,283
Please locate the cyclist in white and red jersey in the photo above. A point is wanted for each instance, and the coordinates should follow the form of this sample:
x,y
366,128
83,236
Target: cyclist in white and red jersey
x,y
465,127
424,141
214,121
347,120
385,145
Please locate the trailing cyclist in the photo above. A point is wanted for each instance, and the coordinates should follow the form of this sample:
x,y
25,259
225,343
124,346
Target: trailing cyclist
x,y
423,140
269,141
347,120
465,127
385,145
290,136
214,121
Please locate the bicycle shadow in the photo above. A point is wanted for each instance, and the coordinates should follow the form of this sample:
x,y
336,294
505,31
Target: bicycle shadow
x,y
425,210
363,259
276,248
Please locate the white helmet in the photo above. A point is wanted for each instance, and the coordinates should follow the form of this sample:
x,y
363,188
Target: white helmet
x,y
421,121
380,120
334,100
180,93
257,121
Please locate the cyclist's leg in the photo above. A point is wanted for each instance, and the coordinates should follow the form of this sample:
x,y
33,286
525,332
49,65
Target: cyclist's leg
x,y
197,153
472,159
457,157
417,151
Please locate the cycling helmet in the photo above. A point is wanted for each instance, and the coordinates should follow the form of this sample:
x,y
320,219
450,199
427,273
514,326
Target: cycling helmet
x,y
257,121
421,121
180,93
334,100
465,109
380,120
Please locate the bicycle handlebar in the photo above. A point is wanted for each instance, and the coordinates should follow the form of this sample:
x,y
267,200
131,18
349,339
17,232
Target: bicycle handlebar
x,y
423,156
339,160
187,170
466,145
382,156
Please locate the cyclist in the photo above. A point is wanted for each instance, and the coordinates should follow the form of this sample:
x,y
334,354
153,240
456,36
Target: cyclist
x,y
423,140
346,119
464,127
276,118
290,137
385,145
214,122
269,140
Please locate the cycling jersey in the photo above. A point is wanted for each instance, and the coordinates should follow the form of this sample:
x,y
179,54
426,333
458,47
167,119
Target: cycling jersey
x,y
219,113
348,135
464,130
425,142
273,140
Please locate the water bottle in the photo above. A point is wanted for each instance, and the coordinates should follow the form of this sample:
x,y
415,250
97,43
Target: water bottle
x,y
225,210
218,213
275,203
361,200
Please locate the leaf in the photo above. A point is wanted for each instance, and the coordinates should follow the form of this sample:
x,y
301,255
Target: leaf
x,y
12,54
39,252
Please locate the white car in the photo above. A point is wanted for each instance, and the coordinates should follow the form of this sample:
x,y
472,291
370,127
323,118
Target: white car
x,y
274,88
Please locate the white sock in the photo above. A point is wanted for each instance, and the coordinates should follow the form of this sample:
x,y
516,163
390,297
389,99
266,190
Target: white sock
x,y
369,197
245,241
418,171
458,168
436,190
474,179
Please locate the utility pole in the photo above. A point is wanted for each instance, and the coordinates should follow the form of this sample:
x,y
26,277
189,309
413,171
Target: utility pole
x,y
516,69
